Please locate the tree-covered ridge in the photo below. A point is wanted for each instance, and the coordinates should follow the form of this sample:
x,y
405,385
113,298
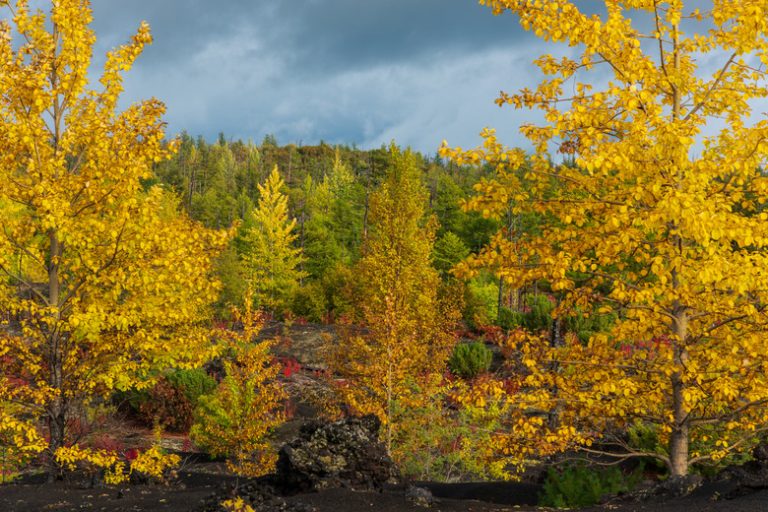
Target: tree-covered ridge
x,y
218,181
328,193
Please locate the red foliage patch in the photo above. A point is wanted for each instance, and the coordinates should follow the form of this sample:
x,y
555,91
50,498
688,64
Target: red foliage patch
x,y
107,443
168,406
290,366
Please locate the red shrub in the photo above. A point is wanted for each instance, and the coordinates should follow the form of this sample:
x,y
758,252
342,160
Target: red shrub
x,y
167,406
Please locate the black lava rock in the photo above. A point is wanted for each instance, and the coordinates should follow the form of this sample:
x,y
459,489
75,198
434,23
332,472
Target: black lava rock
x,y
345,453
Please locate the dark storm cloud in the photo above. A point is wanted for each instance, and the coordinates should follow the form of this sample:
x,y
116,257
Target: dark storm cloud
x,y
359,72
343,34
319,34
344,71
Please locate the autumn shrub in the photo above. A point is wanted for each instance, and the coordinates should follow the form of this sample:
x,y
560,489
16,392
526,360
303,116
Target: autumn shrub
x,y
103,464
105,442
438,443
484,419
153,464
166,405
427,443
581,486
115,466
236,420
236,505
470,359
170,402
194,383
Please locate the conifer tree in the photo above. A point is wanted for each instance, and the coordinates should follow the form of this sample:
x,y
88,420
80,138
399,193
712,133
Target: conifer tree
x,y
335,221
395,367
270,258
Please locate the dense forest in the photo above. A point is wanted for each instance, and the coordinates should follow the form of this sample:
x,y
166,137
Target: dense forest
x,y
328,192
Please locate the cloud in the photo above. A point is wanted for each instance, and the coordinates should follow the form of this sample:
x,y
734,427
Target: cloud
x,y
342,71
415,104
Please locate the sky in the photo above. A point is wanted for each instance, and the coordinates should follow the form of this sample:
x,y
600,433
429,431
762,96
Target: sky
x,y
362,72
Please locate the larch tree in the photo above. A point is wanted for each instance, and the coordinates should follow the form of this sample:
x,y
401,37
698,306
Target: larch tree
x,y
101,280
270,257
395,363
661,221
237,419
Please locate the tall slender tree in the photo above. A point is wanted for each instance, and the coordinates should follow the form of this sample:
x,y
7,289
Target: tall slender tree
x,y
270,256
395,366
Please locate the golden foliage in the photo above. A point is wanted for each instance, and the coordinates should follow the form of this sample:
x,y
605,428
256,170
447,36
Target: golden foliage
x,y
396,363
236,505
153,463
660,219
70,457
103,279
237,419
270,258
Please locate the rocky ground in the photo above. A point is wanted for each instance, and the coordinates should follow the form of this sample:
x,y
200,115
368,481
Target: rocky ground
x,y
190,492
341,467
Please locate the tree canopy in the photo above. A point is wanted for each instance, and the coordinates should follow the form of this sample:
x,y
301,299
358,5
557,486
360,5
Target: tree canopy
x,y
103,279
660,221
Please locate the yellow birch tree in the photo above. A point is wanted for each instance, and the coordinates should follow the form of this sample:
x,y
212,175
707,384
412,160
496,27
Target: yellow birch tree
x,y
101,281
661,220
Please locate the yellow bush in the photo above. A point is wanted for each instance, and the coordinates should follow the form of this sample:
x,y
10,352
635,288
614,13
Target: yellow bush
x,y
236,505
154,462
69,457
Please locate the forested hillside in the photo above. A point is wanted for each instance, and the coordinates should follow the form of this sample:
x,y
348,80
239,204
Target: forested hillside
x,y
328,191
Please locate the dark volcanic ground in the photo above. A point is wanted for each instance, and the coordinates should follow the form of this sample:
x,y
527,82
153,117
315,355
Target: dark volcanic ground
x,y
198,482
